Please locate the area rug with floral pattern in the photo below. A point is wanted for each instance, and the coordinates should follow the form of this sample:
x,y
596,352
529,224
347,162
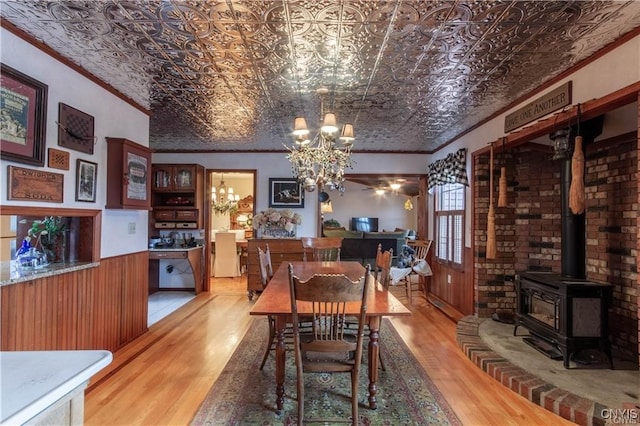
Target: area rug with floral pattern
x,y
245,395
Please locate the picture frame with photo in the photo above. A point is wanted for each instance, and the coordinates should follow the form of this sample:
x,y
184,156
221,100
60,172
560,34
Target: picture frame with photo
x,y
23,117
285,193
86,180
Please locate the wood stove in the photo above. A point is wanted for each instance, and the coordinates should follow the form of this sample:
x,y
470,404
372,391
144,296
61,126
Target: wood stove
x,y
567,314
564,312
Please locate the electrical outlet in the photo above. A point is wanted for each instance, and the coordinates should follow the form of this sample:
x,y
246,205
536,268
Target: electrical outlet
x,y
132,227
448,278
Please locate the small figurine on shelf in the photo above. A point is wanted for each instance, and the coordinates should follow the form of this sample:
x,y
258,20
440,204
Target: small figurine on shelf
x,y
24,248
28,258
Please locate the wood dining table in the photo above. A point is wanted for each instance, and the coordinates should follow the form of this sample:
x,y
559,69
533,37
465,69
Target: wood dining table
x,y
275,300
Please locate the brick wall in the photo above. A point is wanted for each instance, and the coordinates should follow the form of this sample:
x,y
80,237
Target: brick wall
x,y
528,229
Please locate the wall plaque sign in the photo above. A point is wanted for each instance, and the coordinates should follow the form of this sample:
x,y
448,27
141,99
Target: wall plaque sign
x,y
58,159
34,185
552,101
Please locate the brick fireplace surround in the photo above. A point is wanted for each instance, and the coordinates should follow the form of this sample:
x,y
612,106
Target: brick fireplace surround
x,y
528,238
528,229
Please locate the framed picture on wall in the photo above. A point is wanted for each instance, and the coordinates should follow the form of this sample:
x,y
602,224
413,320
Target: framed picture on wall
x,y
23,117
86,176
75,129
286,193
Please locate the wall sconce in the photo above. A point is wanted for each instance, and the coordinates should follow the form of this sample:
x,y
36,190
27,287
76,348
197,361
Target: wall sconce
x,y
408,205
560,140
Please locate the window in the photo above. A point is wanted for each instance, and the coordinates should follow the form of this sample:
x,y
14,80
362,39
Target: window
x,y
449,221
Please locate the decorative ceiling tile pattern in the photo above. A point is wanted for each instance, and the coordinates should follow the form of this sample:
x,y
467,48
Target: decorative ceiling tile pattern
x,y
233,74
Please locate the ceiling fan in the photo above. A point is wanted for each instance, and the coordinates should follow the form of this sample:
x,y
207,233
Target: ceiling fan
x,y
393,187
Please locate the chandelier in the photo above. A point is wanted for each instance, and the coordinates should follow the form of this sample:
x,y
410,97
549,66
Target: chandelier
x,y
320,162
223,199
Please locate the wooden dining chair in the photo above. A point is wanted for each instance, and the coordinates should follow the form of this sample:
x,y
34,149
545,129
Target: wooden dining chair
x,y
226,262
382,271
421,248
327,348
266,272
266,267
321,249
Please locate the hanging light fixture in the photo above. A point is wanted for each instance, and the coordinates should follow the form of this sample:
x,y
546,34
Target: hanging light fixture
x,y
319,162
223,199
560,140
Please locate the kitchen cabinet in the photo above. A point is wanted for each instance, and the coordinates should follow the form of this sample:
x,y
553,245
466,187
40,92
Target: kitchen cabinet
x,y
178,197
128,175
282,250
175,177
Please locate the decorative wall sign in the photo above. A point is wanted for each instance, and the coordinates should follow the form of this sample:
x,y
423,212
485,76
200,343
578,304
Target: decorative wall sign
x,y
23,117
58,159
86,180
35,185
75,129
285,192
552,101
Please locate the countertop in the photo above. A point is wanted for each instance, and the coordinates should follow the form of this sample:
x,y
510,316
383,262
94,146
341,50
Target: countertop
x,y
176,248
9,273
34,380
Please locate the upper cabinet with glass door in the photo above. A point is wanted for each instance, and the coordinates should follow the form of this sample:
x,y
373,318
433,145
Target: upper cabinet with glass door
x,y
174,177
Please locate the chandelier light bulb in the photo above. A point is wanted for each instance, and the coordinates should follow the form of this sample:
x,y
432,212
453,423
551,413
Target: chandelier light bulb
x,y
329,123
347,133
300,127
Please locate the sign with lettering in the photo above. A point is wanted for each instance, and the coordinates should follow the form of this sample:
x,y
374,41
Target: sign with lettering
x,y
34,185
552,101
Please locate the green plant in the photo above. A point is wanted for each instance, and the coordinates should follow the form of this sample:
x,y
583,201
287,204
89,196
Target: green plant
x,y
50,226
331,223
49,234
221,208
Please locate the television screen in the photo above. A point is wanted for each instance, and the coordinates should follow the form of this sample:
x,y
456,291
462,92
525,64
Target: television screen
x,y
365,224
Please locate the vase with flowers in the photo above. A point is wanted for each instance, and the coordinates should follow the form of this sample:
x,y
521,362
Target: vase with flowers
x,y
50,234
272,223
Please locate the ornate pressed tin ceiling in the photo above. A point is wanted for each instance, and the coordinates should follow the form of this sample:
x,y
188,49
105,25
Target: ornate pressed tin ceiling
x,y
410,75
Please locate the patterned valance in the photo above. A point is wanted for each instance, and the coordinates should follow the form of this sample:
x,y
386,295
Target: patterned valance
x,y
452,169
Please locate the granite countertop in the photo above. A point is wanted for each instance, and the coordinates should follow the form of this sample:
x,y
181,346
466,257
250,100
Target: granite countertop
x,y
9,273
34,380
176,248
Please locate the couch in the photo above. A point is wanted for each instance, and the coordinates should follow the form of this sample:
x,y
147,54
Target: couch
x,y
361,246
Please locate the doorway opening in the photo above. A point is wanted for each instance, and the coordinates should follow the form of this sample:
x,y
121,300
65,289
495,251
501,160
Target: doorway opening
x,y
230,195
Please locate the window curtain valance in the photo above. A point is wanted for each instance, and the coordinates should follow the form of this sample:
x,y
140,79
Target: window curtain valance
x,y
452,169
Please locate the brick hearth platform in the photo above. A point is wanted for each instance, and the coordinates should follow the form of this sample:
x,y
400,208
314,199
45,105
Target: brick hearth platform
x,y
557,400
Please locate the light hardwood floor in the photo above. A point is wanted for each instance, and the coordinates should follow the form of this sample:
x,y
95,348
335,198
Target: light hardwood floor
x,y
162,377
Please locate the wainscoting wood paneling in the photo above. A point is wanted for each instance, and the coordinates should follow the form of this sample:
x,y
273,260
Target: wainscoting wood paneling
x,y
98,308
458,294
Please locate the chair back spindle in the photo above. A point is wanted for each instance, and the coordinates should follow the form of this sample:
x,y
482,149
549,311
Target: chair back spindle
x,y
328,348
321,249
